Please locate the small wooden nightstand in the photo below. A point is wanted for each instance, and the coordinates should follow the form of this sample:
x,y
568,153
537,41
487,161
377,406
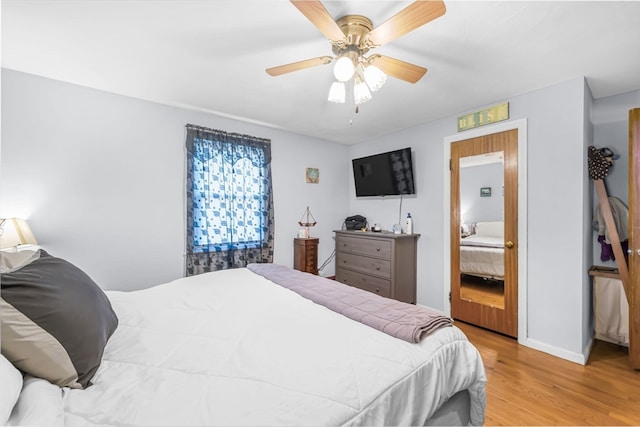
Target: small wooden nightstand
x,y
305,254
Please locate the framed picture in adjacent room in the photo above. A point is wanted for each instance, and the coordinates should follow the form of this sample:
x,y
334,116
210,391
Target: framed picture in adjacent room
x,y
485,191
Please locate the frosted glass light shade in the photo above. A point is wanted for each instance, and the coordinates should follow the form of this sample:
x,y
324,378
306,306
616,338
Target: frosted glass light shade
x,y
337,92
374,77
15,232
361,92
344,69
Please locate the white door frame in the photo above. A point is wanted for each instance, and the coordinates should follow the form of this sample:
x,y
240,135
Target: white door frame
x,y
521,126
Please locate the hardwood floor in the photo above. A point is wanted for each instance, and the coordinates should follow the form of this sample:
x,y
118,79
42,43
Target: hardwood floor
x,y
528,387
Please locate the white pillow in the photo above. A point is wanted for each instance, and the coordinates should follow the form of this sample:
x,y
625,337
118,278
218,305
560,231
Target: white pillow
x,y
40,404
10,388
490,228
12,261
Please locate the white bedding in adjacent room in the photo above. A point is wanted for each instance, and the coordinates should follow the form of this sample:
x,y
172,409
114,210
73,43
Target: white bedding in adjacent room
x,y
482,254
232,348
482,262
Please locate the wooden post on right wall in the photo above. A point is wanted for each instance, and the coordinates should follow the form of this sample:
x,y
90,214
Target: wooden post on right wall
x,y
614,238
633,295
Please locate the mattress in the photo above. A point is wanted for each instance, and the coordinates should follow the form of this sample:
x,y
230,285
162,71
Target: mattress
x,y
233,348
482,256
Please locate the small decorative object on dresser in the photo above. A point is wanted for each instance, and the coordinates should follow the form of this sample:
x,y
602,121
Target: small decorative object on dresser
x,y
383,263
305,254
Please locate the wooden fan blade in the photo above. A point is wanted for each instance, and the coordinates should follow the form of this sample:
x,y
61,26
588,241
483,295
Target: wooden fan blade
x,y
399,69
320,17
300,65
408,19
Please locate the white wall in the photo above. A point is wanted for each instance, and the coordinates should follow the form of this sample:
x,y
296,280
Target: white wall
x,y
425,206
473,206
588,324
556,274
100,177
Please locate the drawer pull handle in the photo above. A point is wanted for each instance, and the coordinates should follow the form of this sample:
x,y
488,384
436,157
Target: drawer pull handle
x,y
377,267
378,249
378,290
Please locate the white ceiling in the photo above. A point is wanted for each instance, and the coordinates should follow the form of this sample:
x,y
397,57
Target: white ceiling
x,y
211,55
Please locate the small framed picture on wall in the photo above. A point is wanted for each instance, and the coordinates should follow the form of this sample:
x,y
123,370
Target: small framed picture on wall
x,y
485,191
313,175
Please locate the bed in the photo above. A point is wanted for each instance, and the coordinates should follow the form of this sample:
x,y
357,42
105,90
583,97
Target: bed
x,y
237,347
482,253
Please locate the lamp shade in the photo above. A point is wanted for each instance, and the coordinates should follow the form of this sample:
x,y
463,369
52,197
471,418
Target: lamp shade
x,y
337,93
361,92
15,232
374,77
344,69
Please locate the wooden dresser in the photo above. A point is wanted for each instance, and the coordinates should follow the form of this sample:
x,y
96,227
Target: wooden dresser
x,y
305,254
383,263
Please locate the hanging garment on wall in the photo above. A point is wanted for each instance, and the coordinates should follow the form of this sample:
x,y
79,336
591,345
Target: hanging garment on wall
x,y
599,161
606,253
620,214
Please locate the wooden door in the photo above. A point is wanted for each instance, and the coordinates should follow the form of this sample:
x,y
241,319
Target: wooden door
x,y
634,241
487,301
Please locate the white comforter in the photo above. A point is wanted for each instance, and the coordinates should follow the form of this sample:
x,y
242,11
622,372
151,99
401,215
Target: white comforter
x,y
232,348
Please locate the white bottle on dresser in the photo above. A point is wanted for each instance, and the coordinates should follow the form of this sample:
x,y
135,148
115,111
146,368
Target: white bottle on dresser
x,y
408,224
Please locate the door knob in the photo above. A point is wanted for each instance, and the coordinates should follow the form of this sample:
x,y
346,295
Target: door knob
x,y
508,244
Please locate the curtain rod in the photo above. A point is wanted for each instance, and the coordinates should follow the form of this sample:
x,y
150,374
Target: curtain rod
x,y
233,134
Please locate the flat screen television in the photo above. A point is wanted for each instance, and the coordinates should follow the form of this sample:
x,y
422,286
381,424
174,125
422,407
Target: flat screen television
x,y
385,174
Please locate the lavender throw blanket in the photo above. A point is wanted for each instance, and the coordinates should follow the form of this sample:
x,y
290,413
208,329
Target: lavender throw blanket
x,y
399,319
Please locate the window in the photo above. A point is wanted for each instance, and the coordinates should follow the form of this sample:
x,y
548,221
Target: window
x,y
229,201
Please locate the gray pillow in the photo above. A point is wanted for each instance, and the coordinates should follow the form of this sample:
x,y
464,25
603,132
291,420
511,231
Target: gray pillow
x,y
55,321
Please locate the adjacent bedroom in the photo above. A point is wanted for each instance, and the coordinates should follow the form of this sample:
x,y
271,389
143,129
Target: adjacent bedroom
x,y
312,212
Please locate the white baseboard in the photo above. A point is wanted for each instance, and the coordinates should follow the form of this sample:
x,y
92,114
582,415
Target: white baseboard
x,y
562,353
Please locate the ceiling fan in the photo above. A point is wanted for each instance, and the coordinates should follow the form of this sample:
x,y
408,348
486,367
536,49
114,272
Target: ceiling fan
x,y
353,36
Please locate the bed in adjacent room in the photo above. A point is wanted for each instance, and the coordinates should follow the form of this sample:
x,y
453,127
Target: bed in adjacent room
x,y
482,253
264,345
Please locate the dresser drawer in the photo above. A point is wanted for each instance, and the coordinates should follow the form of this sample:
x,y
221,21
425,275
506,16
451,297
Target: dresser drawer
x,y
311,252
376,266
368,283
359,245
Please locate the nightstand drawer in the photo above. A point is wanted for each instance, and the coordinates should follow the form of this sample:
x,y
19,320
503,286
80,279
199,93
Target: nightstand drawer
x,y
367,265
368,283
358,245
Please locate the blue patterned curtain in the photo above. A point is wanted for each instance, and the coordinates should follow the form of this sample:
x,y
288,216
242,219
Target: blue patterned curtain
x,y
229,200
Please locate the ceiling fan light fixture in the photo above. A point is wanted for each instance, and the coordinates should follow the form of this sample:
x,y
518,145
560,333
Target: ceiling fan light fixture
x,y
361,93
374,77
337,93
344,69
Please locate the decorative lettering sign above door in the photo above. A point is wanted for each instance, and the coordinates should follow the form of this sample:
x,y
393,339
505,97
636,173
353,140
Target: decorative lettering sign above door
x,y
489,115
